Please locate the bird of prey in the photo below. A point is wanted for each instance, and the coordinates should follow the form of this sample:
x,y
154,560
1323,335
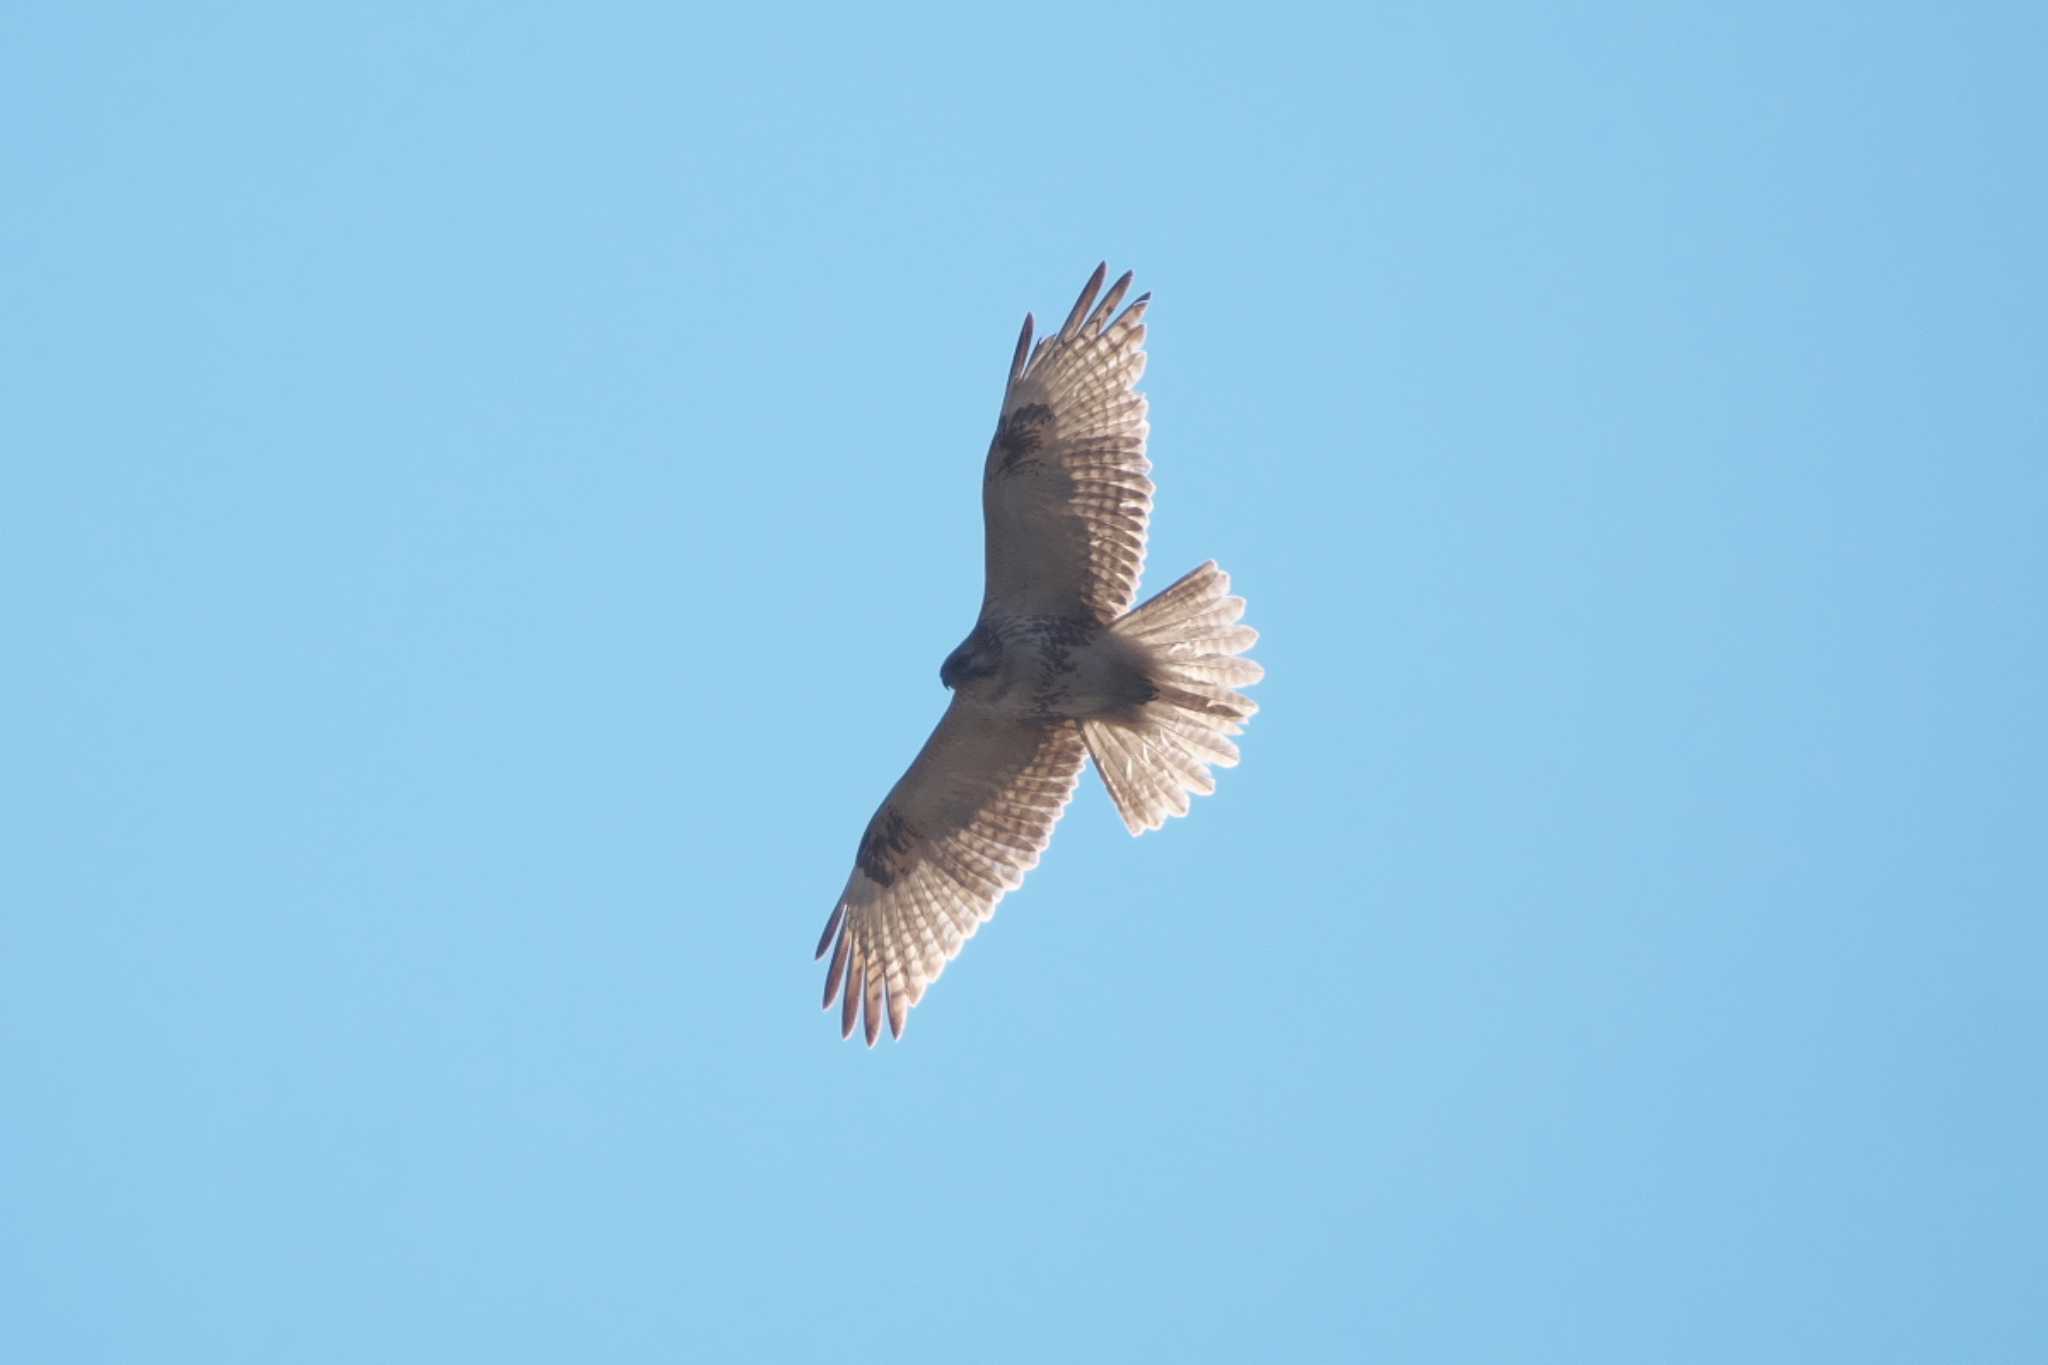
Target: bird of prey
x,y
1057,668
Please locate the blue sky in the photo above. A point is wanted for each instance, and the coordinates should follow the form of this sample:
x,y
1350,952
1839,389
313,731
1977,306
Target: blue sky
x,y
491,487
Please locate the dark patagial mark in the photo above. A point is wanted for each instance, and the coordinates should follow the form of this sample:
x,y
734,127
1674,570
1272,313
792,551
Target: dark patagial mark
x,y
1021,433
883,846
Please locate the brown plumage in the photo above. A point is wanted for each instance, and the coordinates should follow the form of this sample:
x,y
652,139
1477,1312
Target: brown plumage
x,y
1057,668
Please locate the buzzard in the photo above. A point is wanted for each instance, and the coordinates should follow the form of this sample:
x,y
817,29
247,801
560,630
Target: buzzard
x,y
1058,667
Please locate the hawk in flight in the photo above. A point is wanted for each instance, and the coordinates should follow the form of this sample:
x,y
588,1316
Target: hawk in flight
x,y
1058,668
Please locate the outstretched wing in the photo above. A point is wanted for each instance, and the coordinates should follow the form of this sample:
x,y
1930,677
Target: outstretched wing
x,y
959,829
1064,492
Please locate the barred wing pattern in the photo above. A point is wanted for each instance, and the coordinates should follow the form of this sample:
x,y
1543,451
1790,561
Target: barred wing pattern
x,y
1064,492
959,829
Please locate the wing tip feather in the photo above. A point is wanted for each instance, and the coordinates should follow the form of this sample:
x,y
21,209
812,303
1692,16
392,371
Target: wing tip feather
x,y
831,929
1100,317
850,1005
1023,352
1086,301
871,1011
835,975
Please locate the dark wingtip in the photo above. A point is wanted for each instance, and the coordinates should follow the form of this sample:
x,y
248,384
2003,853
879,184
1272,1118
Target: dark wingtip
x,y
1023,348
835,975
831,928
1087,299
1098,319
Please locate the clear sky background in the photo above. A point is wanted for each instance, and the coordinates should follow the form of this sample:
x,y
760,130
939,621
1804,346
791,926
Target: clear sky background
x,y
488,489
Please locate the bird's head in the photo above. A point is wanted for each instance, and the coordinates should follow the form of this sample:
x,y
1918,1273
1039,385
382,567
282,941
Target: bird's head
x,y
979,655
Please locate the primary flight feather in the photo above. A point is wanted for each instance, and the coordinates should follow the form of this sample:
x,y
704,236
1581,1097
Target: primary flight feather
x,y
1057,668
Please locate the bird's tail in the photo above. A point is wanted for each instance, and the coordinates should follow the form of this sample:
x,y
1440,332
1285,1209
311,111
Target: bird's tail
x,y
1190,638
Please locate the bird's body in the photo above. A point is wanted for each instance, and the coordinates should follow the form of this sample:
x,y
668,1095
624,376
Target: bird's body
x,y
1057,669
1046,668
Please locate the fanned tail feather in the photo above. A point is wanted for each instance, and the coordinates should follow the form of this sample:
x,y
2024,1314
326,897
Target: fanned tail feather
x,y
1193,640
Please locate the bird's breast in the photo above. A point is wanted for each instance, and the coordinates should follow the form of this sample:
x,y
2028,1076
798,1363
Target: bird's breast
x,y
1060,668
